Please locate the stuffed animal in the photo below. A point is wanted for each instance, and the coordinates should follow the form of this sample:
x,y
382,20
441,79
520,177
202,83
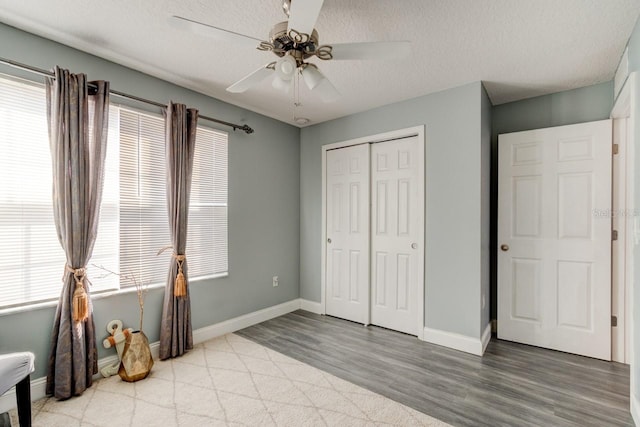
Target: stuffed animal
x,y
116,339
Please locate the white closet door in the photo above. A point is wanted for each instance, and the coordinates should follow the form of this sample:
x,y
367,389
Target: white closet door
x,y
397,235
554,236
347,254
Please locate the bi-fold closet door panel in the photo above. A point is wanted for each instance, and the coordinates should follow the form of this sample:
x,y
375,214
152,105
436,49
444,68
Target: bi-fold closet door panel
x,y
374,269
397,220
347,288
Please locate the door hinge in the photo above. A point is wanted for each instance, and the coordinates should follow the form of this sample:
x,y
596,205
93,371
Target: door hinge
x,y
614,235
614,321
616,148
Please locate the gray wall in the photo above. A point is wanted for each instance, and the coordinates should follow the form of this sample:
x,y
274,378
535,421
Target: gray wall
x,y
634,48
485,212
264,207
581,105
562,108
453,198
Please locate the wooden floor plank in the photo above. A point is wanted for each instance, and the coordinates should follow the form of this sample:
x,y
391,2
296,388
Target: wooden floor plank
x,y
512,384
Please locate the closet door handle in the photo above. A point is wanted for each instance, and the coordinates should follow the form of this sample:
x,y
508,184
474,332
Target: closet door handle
x,y
414,246
328,240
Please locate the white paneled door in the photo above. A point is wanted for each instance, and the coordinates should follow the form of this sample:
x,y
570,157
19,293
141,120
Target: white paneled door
x,y
347,257
397,248
554,238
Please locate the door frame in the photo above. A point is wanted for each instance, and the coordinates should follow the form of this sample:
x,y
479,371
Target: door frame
x,y
623,171
418,131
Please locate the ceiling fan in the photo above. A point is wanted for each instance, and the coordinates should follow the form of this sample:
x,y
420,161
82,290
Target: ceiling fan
x,y
295,42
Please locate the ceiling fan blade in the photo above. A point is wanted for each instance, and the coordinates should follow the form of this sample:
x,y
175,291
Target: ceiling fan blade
x,y
251,80
283,85
213,32
371,50
303,15
326,91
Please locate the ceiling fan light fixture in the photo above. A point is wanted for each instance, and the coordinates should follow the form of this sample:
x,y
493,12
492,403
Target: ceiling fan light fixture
x,y
286,67
311,75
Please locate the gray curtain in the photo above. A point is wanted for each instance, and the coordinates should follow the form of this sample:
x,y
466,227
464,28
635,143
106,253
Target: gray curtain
x,y
176,336
78,121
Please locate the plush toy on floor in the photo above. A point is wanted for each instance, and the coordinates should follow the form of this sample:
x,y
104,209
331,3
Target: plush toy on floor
x,y
117,339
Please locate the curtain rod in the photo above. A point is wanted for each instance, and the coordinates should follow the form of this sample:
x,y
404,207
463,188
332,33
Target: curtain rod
x,y
47,73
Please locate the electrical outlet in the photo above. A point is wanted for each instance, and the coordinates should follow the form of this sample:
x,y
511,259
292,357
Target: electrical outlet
x,y
275,281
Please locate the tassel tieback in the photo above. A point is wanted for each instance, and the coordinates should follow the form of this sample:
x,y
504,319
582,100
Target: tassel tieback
x,y
180,286
80,306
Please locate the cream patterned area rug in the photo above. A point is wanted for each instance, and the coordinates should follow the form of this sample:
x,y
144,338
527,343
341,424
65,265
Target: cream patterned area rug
x,y
228,381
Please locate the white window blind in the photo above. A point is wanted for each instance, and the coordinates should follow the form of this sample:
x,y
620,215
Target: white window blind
x,y
106,250
133,220
31,258
144,227
207,231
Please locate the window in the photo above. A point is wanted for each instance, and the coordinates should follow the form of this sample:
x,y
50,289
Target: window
x,y
133,219
31,260
143,204
143,209
207,232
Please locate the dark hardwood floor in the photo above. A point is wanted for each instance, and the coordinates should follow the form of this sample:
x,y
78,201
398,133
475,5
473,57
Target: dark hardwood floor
x,y
511,385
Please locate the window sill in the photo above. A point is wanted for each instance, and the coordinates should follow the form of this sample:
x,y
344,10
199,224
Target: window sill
x,y
96,296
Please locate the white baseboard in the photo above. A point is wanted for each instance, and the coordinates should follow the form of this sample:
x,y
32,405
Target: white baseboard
x,y
237,323
486,337
635,409
458,341
38,385
311,306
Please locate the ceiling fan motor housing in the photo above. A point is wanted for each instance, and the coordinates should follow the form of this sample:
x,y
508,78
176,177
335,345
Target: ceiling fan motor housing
x,y
301,46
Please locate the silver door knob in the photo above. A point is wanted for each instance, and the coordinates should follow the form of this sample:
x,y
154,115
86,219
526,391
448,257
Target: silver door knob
x,y
328,240
504,247
414,246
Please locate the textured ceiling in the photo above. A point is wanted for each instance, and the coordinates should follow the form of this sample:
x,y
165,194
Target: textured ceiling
x,y
519,48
